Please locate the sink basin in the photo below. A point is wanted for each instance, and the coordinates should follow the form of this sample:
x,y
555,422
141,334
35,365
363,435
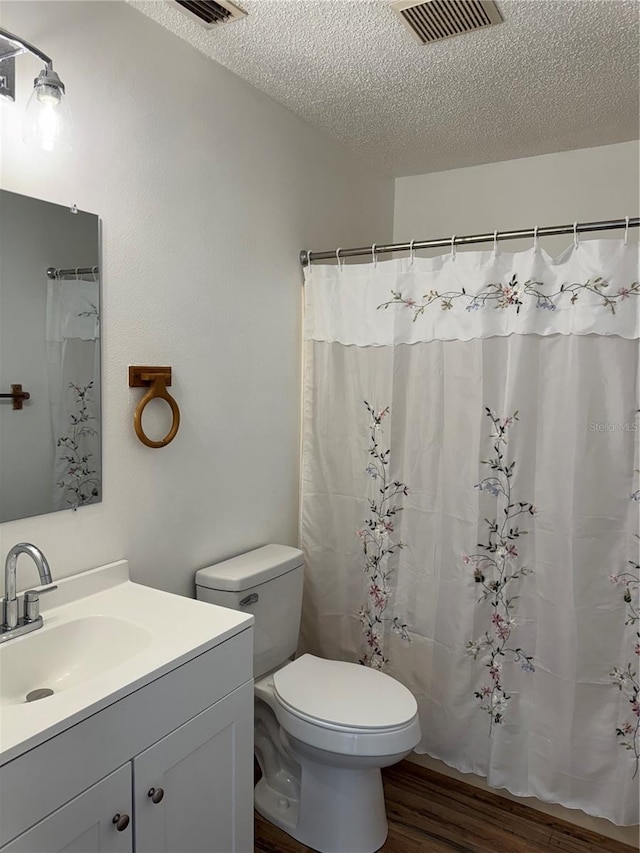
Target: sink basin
x,y
103,638
66,655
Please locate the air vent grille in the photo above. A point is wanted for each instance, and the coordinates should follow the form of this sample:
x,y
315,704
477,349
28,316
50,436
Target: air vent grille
x,y
210,13
434,20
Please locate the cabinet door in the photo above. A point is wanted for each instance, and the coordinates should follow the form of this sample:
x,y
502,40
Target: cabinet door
x,y
85,824
201,778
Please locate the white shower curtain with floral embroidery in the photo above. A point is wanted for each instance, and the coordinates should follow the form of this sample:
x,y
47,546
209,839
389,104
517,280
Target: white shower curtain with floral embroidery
x,y
73,373
470,511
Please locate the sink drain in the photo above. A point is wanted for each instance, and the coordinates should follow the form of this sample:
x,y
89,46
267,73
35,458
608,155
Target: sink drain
x,y
40,693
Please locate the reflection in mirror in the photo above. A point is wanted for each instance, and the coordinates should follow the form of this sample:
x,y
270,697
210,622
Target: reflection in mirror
x,y
50,449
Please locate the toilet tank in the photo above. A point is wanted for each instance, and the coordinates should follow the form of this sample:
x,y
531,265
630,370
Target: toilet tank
x,y
267,583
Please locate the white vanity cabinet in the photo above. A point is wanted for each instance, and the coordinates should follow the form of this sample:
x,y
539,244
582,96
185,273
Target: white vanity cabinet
x,y
186,786
86,824
175,757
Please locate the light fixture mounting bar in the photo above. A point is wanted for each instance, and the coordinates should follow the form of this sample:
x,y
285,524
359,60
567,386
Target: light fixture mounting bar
x,y
8,78
16,45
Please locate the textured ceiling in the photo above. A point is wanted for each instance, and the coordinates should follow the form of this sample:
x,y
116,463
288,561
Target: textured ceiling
x,y
556,75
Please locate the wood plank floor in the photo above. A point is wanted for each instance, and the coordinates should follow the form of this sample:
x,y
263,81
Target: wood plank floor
x,y
431,813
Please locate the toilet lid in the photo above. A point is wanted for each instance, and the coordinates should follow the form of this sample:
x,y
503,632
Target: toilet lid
x,y
344,694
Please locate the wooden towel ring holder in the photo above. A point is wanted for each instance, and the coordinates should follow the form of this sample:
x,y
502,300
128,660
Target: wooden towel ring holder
x,y
155,379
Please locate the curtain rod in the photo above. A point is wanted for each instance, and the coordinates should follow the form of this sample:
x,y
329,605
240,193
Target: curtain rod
x,y
52,272
307,257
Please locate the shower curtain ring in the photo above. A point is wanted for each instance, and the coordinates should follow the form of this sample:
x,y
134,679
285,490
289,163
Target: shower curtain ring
x,y
626,230
576,242
412,253
495,242
340,262
535,238
373,254
453,248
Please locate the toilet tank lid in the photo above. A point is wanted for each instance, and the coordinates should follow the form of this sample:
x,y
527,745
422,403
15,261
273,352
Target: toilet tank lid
x,y
250,569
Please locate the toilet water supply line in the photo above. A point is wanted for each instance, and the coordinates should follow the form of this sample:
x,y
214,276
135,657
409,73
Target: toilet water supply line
x,y
307,257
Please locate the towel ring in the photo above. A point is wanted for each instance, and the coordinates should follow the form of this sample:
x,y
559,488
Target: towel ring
x,y
156,380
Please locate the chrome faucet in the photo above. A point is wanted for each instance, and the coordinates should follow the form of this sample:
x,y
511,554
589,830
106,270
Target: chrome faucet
x,y
13,626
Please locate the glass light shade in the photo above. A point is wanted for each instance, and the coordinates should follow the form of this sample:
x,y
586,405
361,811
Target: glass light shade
x,y
47,119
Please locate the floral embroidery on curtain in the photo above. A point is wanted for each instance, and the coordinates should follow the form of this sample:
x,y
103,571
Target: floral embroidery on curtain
x,y
494,571
513,295
73,372
377,545
590,290
79,483
626,678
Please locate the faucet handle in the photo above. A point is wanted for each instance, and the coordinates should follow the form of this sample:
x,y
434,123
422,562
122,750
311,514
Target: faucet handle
x,y
32,601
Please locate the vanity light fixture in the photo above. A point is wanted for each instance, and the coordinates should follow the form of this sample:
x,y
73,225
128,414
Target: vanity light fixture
x,y
47,120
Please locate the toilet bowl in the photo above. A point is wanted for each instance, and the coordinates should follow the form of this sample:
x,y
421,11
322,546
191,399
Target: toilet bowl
x,y
323,728
340,723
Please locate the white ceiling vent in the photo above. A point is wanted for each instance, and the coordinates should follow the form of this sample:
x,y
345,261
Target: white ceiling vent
x,y
434,20
210,13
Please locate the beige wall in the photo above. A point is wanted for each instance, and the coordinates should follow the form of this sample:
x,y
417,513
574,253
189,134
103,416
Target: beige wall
x,y
207,191
586,185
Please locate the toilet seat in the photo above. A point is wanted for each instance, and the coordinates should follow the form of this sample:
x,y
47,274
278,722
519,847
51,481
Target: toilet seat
x,y
345,708
343,695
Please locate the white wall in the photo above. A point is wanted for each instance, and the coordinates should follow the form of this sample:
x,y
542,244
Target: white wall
x,y
207,191
586,185
33,236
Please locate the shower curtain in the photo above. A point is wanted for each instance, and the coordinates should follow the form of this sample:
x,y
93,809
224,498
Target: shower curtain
x,y
470,510
73,368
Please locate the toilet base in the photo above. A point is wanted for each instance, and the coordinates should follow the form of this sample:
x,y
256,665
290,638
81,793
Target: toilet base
x,y
339,811
279,810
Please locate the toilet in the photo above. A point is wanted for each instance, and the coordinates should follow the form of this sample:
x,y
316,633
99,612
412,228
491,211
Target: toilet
x,y
323,728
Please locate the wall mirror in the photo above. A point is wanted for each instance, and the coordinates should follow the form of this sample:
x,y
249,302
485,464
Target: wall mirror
x,y
50,441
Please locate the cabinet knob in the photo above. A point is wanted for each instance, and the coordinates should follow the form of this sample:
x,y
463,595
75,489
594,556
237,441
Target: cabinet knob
x,y
121,821
155,795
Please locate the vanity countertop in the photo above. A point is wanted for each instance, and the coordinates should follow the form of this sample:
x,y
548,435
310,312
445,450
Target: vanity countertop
x,y
103,637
